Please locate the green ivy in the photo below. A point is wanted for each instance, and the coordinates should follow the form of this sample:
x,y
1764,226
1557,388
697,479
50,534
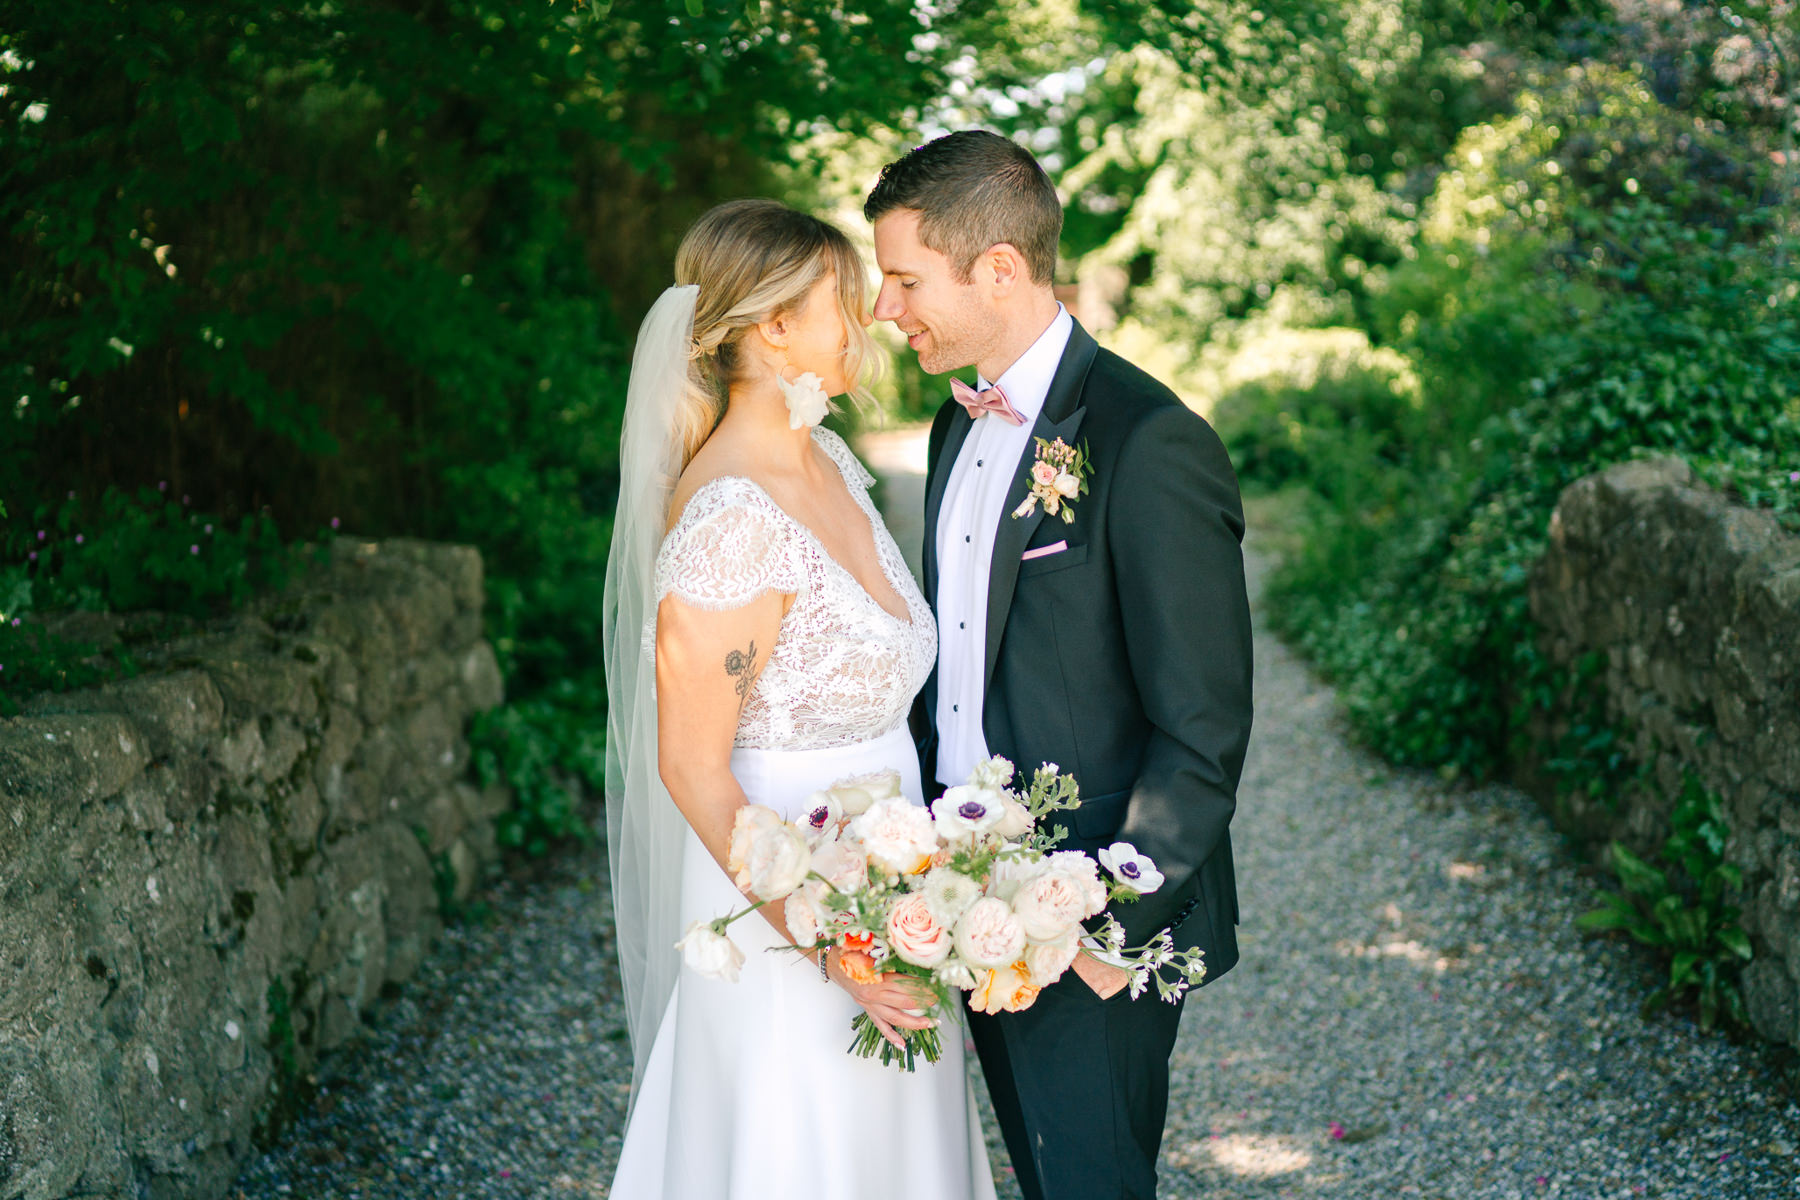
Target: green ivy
x,y
1679,902
551,750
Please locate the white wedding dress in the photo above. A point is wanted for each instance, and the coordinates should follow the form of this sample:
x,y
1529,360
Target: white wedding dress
x,y
749,1092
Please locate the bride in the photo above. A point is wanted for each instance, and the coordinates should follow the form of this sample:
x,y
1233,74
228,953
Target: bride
x,y
763,639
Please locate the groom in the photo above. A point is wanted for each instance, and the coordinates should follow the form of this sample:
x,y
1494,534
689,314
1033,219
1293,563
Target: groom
x,y
1115,643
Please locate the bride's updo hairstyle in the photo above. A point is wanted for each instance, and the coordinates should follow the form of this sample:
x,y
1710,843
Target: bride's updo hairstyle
x,y
754,261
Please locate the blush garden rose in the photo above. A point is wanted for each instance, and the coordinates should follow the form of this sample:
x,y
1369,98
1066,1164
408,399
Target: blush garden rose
x,y
977,901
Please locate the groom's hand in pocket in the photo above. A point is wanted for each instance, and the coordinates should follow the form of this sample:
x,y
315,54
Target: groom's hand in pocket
x,y
1103,979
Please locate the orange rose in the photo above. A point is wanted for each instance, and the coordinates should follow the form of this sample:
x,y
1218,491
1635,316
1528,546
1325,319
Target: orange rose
x,y
861,968
1007,989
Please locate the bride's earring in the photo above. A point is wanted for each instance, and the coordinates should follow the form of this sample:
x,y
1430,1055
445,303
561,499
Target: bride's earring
x,y
807,402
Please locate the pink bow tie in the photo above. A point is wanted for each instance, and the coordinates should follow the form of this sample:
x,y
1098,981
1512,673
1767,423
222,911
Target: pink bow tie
x,y
980,404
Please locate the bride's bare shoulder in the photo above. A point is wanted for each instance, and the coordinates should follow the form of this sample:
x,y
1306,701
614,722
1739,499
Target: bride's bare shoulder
x,y
713,462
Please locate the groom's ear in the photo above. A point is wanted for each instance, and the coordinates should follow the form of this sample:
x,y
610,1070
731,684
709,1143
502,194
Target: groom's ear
x,y
1007,267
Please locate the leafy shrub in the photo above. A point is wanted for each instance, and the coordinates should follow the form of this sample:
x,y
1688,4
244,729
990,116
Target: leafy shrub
x,y
1292,399
1679,904
546,748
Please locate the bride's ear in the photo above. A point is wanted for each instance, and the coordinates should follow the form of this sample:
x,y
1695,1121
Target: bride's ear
x,y
771,337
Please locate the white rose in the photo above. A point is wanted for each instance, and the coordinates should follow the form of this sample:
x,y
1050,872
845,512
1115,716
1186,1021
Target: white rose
x,y
994,774
855,794
1008,874
1015,820
988,936
842,865
1048,907
1133,870
710,953
1046,961
745,825
898,836
948,894
1067,485
965,813
778,861
915,935
1086,875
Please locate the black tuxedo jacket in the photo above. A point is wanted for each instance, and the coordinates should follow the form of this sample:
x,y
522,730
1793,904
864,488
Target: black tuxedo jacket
x,y
1125,658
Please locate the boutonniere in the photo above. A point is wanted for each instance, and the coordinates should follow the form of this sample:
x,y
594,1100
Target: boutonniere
x,y
1059,477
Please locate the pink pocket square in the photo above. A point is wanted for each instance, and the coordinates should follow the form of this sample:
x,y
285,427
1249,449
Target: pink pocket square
x,y
1044,551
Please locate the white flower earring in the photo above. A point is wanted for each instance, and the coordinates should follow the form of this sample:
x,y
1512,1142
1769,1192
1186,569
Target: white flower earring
x,y
807,402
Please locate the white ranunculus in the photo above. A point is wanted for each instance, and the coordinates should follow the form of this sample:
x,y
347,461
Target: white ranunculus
x,y
1131,869
1046,961
710,953
778,861
1049,906
953,972
1086,874
965,813
898,835
1067,485
1015,820
802,919
949,893
745,825
994,774
988,935
842,865
915,935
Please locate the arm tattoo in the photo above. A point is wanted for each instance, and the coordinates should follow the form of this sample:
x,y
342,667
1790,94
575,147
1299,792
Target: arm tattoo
x,y
741,666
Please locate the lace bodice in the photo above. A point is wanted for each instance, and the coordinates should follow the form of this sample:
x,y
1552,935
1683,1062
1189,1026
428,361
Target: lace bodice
x,y
843,669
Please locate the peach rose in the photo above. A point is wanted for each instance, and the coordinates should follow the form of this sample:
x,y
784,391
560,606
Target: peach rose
x,y
1043,474
1049,906
1046,961
1003,989
914,935
841,865
987,935
749,821
898,835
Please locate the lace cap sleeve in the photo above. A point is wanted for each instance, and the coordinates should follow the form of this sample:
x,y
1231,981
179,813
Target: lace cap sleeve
x,y
730,546
844,457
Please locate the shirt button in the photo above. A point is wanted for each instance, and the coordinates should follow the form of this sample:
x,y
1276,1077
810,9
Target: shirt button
x,y
965,537
956,708
978,462
962,624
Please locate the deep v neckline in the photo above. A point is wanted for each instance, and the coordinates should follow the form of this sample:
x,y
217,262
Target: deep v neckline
x,y
867,508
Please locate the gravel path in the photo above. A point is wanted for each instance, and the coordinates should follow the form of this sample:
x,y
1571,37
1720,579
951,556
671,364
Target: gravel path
x,y
1414,1015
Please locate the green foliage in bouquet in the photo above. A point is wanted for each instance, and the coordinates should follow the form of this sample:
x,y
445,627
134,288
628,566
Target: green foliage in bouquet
x,y
1680,904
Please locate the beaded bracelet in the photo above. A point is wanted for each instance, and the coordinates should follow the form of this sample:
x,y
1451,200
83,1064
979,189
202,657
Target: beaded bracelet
x,y
824,971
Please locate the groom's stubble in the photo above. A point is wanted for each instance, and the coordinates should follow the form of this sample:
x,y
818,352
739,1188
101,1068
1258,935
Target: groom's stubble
x,y
946,321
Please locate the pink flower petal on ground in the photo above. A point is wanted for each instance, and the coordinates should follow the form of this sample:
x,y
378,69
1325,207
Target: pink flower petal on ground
x,y
1337,1132
1541,1181
505,1173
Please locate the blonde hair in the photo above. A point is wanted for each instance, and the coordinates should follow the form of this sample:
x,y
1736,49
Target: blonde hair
x,y
753,261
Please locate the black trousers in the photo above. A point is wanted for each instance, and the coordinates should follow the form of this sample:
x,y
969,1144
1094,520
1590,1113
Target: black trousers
x,y
1081,1087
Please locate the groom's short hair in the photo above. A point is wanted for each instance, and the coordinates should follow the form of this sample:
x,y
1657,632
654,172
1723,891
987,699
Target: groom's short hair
x,y
974,189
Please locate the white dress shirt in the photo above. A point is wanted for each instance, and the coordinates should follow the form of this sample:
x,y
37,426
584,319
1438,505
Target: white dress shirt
x,y
991,459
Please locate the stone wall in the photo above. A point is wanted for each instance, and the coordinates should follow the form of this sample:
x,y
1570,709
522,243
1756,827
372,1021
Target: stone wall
x,y
208,872
1695,603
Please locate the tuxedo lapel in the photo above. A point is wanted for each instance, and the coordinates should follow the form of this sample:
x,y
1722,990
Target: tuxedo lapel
x,y
935,485
1059,418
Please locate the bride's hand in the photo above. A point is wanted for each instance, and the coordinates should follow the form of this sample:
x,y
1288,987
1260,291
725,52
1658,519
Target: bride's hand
x,y
894,1001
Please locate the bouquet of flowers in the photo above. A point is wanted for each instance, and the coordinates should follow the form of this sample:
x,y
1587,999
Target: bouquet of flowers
x,y
969,894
